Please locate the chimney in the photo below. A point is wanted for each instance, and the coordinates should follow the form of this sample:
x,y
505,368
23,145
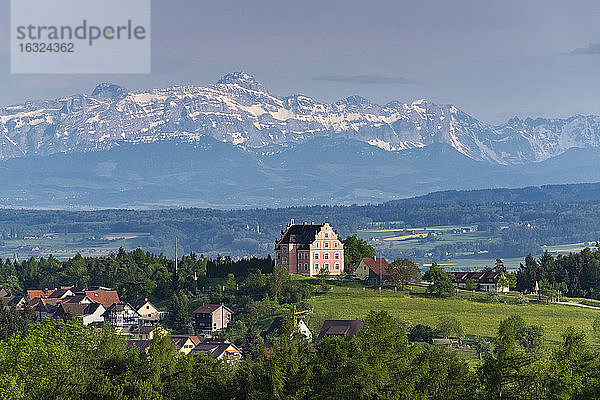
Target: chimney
x,y
292,221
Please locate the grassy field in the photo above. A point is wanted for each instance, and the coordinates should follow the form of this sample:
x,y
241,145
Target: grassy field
x,y
477,318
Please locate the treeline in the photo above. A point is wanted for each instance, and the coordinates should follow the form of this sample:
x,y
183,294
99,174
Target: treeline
x,y
241,232
133,274
222,267
64,360
576,274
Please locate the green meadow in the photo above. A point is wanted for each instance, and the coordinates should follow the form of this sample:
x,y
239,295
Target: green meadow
x,y
477,317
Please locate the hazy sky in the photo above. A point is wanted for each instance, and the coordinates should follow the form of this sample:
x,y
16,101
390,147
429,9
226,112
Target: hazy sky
x,y
493,59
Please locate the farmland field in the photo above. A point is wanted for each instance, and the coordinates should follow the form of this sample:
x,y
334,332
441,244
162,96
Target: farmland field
x,y
477,318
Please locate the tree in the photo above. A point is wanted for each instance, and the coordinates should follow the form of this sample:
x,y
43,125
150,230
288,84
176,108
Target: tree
x,y
481,346
503,369
180,317
449,327
573,368
403,271
421,333
502,281
322,278
252,343
471,284
279,281
355,249
440,281
499,265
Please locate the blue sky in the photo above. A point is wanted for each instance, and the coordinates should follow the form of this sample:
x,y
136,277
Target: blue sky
x,y
493,59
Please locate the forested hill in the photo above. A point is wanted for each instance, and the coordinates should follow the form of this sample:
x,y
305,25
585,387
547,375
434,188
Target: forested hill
x,y
531,194
510,223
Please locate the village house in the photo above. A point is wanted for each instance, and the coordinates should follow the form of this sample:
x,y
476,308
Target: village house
x,y
340,328
149,314
486,281
123,317
88,313
309,248
210,318
219,349
276,327
185,343
372,271
13,301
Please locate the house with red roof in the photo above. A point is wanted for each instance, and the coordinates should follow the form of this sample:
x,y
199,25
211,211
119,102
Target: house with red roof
x,y
372,271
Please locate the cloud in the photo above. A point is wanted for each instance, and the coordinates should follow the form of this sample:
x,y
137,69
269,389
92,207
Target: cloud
x,y
364,79
593,48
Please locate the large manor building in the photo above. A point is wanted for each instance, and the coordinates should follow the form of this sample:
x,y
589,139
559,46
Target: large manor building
x,y
307,248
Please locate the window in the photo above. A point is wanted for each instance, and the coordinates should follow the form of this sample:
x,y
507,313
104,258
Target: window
x,y
337,266
326,256
317,266
284,259
326,235
316,256
317,245
306,266
337,256
326,266
326,245
335,244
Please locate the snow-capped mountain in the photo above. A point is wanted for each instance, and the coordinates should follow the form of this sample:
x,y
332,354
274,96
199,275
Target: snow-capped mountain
x,y
239,110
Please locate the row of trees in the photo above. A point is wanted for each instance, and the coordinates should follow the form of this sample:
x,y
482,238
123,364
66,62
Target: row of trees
x,y
64,360
577,274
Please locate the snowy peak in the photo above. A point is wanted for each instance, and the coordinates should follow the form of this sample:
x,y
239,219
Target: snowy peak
x,y
243,80
109,92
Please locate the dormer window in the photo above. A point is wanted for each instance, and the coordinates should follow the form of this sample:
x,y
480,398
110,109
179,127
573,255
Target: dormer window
x,y
326,235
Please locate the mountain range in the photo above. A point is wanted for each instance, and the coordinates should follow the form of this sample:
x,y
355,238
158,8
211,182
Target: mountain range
x,y
239,110
234,144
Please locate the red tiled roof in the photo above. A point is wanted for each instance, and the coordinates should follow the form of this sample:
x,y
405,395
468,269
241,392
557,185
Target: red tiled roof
x,y
39,293
105,297
376,265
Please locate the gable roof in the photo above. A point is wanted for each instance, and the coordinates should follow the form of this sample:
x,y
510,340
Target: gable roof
x,y
78,298
9,301
377,264
179,340
119,307
140,302
479,277
105,297
78,310
193,338
39,293
216,347
60,293
340,327
301,234
209,309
